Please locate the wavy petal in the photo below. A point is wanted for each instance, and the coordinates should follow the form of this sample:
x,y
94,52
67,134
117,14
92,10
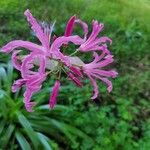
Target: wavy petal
x,y
64,40
84,27
26,63
108,60
70,25
97,27
18,84
16,64
27,98
105,73
37,29
95,87
33,84
107,82
92,44
21,44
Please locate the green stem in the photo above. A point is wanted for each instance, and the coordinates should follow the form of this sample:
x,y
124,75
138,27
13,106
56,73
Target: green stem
x,y
74,52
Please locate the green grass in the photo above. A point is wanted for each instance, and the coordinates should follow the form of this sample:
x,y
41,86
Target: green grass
x,y
119,120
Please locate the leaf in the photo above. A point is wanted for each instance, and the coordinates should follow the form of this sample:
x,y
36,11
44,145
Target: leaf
x,y
3,75
44,141
7,135
2,124
58,107
2,93
48,128
4,79
69,131
10,71
22,141
29,130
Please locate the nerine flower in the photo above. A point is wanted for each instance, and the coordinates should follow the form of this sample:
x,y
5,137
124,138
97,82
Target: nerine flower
x,y
48,59
94,43
94,70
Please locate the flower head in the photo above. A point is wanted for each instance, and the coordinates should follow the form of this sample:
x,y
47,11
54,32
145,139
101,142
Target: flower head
x,y
94,70
47,58
93,42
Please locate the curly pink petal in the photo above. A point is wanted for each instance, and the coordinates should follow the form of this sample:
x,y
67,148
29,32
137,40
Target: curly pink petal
x,y
94,43
64,40
37,29
18,84
94,71
70,25
105,73
27,98
95,87
84,27
26,63
29,106
107,82
21,44
15,62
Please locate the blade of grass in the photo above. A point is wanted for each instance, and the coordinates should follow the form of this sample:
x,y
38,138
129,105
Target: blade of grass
x,y
7,135
2,125
22,141
63,127
29,130
3,75
10,72
44,141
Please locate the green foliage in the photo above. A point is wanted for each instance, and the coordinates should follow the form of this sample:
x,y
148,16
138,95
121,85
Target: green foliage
x,y
35,130
115,121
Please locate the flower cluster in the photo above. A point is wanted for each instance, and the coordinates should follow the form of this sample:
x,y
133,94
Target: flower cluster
x,y
48,58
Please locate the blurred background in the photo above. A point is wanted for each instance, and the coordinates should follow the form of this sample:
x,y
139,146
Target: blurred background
x,y
116,121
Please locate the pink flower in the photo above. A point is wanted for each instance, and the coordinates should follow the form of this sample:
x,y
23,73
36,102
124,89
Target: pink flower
x,y
32,84
94,43
38,54
32,80
52,101
95,70
48,58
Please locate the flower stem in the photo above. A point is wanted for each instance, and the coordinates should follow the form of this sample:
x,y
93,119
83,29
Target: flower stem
x,y
74,52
